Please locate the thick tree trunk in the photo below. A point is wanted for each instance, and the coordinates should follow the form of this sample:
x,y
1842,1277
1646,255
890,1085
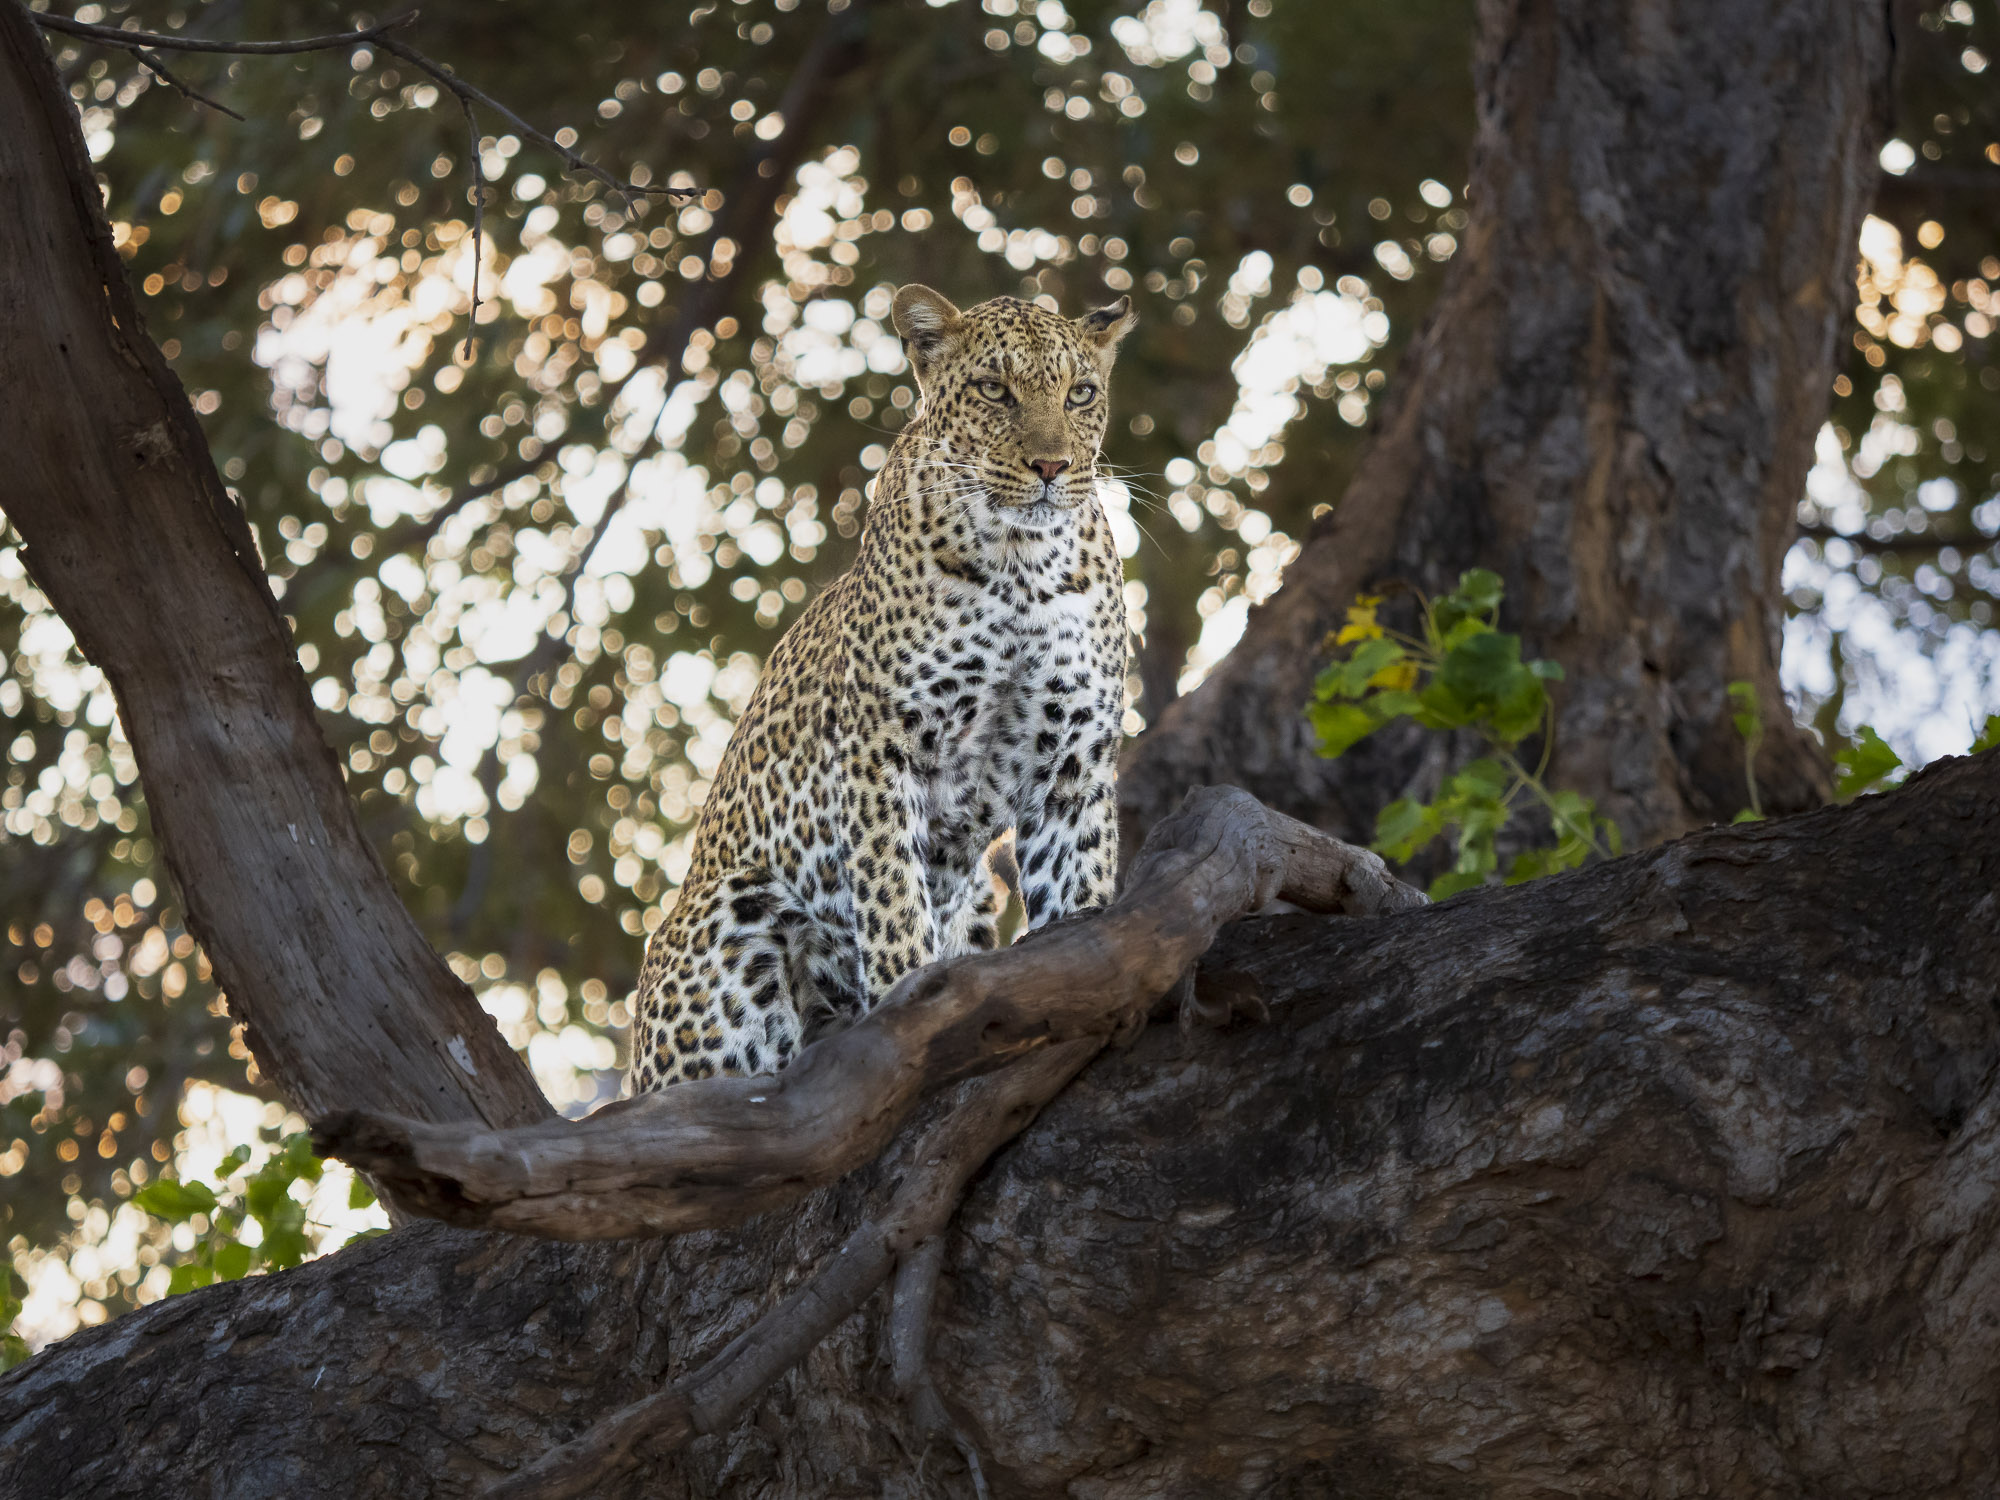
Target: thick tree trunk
x,y
1613,406
148,558
1675,1176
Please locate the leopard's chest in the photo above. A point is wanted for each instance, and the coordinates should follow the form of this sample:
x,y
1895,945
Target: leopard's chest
x,y
981,701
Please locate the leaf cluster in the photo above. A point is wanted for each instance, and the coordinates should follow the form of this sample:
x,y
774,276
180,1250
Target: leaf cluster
x,y
1459,672
13,1290
263,1197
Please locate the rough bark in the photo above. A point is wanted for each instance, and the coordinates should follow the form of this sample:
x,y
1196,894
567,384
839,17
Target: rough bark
x,y
132,536
1674,1176
1612,405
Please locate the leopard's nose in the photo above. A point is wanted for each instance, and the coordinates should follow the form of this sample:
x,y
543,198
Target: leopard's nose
x,y
1048,468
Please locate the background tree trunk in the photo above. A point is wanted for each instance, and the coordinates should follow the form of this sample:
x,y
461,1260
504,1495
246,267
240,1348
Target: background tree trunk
x,y
1613,406
1674,1176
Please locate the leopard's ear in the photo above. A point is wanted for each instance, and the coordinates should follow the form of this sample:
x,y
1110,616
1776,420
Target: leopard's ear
x,y
927,321
1105,326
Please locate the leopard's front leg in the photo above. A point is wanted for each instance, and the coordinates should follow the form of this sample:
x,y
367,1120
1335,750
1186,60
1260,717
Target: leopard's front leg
x,y
894,925
1069,846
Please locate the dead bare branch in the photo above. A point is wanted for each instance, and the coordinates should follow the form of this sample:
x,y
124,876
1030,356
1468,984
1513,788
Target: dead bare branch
x,y
990,1112
716,1152
134,41
180,85
572,160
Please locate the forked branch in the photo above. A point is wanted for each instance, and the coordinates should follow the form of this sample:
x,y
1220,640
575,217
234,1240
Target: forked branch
x,y
990,1112
706,1154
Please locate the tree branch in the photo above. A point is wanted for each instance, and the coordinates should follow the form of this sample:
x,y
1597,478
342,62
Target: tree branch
x,y
1918,542
989,1112
716,1151
180,85
136,41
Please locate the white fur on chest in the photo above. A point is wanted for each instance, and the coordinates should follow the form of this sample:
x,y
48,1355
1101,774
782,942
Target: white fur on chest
x,y
1011,649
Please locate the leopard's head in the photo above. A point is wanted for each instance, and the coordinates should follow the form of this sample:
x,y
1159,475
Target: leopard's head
x,y
1015,398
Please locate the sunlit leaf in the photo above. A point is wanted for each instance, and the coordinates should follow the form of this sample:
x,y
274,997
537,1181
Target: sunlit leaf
x,y
1861,766
173,1200
232,1262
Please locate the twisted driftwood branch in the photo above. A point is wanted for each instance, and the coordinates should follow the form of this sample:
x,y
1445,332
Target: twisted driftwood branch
x,y
989,1113
715,1152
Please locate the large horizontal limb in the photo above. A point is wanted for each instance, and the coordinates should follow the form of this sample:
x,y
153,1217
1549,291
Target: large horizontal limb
x,y
715,1152
1669,1174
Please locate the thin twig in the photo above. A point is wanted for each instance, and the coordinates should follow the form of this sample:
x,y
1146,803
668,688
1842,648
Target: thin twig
x,y
468,96
134,41
180,85
478,218
377,36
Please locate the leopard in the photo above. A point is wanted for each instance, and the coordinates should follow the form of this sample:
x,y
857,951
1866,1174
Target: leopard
x,y
964,680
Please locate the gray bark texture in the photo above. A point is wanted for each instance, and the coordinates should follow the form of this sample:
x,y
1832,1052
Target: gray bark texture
x,y
1613,406
1675,1176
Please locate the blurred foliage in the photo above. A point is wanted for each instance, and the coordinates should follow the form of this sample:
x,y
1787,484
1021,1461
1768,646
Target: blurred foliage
x,y
13,1348
1459,673
264,1197
532,576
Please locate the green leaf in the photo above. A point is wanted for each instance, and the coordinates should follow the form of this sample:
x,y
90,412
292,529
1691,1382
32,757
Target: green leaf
x,y
1482,780
1391,703
359,1194
264,1192
1478,594
175,1201
1451,883
1548,671
299,1159
1349,679
1746,816
1989,737
13,1290
1404,827
1749,715
1532,864
232,1262
187,1276
1340,726
1460,632
1486,674
1862,765
1438,707
232,1163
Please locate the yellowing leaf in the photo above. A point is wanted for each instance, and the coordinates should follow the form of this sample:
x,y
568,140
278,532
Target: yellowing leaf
x,y
1399,678
1361,625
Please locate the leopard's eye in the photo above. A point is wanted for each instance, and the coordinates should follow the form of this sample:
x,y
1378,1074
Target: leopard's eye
x,y
1082,395
992,390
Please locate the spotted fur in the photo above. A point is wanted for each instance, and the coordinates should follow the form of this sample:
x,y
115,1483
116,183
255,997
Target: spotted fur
x,y
965,677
